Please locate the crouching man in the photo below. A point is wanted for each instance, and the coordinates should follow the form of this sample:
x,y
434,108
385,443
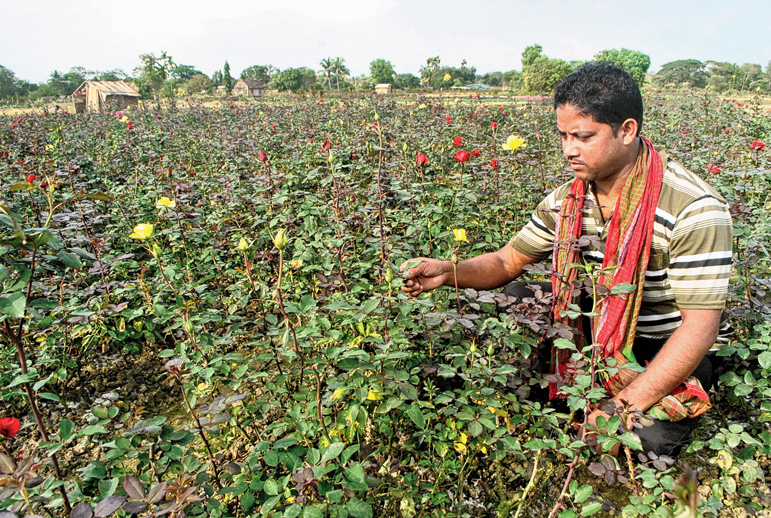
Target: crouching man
x,y
656,225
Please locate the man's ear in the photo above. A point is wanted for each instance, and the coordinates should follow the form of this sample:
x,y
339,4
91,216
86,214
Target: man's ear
x,y
628,130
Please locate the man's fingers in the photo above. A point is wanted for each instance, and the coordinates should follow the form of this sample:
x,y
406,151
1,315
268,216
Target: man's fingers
x,y
413,267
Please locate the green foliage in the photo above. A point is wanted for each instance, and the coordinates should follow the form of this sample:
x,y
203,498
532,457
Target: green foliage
x,y
633,61
381,71
295,80
531,54
543,74
258,72
227,80
406,81
197,84
232,380
688,72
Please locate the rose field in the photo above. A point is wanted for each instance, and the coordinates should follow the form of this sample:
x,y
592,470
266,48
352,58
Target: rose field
x,y
201,315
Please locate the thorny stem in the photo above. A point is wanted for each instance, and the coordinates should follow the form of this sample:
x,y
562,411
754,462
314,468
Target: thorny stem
x,y
281,302
530,484
380,200
319,408
202,432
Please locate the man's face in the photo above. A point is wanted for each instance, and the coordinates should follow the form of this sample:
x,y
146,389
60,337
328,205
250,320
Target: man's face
x,y
592,150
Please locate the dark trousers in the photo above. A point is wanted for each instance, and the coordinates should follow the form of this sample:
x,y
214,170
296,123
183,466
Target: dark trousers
x,y
663,437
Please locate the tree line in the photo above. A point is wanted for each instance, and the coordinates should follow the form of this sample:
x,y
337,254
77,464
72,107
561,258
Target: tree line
x,y
159,76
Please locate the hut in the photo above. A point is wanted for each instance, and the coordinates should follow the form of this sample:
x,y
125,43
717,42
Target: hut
x,y
383,88
100,95
249,88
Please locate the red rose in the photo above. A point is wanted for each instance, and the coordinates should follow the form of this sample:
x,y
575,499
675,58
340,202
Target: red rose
x,y
231,106
421,159
457,141
758,145
261,157
326,145
448,118
31,178
494,125
494,164
9,426
727,131
713,169
462,156
476,152
43,185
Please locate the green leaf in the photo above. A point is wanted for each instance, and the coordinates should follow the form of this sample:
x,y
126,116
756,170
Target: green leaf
x,y
358,508
66,427
370,306
416,415
306,303
312,512
99,196
21,186
293,511
631,439
764,359
623,288
92,430
590,508
70,260
14,304
271,487
332,451
22,378
561,343
583,493
475,428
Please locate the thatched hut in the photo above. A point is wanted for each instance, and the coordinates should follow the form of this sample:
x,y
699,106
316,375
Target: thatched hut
x,y
249,88
383,88
100,95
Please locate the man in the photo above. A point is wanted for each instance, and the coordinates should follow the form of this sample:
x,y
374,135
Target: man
x,y
663,230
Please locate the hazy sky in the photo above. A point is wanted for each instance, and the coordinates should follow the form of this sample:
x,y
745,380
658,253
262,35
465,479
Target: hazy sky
x,y
38,36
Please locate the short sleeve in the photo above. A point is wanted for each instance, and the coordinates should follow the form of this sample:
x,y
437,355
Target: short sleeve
x,y
700,254
536,239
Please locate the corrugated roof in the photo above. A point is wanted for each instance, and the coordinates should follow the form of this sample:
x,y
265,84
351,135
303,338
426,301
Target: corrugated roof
x,y
114,88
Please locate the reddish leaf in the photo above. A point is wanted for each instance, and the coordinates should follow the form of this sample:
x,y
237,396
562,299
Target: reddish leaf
x,y
134,488
108,506
134,507
82,510
157,493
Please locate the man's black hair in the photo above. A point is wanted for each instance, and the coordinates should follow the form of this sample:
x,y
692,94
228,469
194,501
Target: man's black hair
x,y
603,90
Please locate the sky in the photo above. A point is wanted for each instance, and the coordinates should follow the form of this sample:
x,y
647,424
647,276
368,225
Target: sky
x,y
39,36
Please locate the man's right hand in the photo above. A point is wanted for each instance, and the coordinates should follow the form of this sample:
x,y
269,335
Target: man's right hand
x,y
426,276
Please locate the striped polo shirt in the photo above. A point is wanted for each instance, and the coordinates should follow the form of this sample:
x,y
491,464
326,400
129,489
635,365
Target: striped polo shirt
x,y
690,262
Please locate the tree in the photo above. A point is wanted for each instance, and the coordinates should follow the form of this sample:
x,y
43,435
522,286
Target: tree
x,y
543,74
197,84
491,78
116,74
153,73
381,71
406,81
295,80
185,72
339,70
513,79
683,71
326,65
633,61
258,72
530,54
7,83
427,72
227,79
216,78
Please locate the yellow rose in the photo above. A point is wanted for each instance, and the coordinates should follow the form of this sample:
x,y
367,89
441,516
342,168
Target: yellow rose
x,y
142,231
242,244
514,142
280,240
460,234
447,77
165,202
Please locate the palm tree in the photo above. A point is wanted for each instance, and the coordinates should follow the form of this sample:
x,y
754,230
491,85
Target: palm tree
x,y
327,66
339,69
